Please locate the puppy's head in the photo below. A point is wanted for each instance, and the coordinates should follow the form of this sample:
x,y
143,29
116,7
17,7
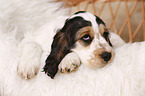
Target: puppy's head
x,y
92,42
86,35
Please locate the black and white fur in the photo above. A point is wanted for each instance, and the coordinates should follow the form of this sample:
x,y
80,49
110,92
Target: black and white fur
x,y
83,38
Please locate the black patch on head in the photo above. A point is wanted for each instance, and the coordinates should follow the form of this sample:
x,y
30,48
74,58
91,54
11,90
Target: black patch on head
x,y
72,26
80,12
99,21
76,13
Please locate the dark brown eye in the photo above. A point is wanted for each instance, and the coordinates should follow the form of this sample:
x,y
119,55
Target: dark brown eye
x,y
105,35
86,38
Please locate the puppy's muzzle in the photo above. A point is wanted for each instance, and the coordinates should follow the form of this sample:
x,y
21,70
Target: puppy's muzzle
x,y
106,56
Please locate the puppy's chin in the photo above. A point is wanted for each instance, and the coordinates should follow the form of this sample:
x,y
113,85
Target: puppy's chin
x,y
95,63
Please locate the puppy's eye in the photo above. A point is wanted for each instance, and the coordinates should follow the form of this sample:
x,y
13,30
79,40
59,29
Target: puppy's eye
x,y
105,35
86,38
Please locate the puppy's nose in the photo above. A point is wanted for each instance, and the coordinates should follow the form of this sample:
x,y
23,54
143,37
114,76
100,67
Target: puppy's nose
x,y
106,56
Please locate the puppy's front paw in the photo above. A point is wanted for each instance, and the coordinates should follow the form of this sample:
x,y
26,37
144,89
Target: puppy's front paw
x,y
29,62
27,71
69,63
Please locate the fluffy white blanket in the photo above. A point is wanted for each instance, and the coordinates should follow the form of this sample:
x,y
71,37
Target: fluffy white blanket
x,y
124,77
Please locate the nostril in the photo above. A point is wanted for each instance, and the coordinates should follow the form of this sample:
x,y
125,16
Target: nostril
x,y
106,56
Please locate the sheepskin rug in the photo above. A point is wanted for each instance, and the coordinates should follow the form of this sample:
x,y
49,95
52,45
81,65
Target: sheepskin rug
x,y
125,76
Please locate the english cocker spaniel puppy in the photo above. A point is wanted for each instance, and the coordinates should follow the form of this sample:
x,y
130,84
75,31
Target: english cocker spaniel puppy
x,y
83,38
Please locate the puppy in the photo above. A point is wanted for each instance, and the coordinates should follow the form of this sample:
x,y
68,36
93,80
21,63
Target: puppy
x,y
83,38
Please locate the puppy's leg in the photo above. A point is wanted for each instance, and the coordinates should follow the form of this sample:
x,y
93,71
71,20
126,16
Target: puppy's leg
x,y
29,61
69,63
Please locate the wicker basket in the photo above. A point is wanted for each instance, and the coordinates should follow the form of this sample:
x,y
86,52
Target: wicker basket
x,y
124,17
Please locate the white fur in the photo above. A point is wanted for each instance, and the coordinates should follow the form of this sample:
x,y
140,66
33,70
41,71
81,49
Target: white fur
x,y
116,40
70,62
29,62
123,77
21,19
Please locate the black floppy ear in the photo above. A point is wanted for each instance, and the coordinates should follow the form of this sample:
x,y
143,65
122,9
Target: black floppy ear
x,y
59,49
